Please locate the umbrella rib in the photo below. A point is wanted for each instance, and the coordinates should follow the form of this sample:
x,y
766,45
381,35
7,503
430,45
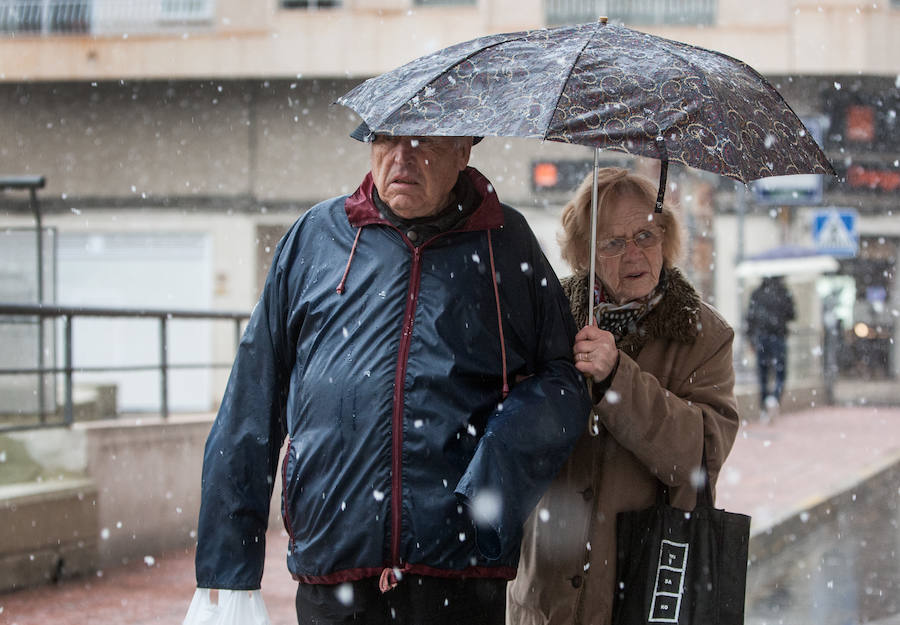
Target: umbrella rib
x,y
453,64
568,76
752,72
702,75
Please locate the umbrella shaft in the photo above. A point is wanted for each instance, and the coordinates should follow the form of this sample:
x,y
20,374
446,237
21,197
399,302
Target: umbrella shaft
x,y
591,278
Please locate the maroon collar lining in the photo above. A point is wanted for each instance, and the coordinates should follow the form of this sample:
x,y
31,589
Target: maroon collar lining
x,y
361,209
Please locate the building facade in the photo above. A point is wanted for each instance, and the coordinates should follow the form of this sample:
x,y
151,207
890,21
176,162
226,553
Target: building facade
x,y
179,139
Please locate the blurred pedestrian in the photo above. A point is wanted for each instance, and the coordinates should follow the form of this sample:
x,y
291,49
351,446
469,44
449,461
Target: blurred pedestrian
x,y
833,332
658,361
771,308
415,347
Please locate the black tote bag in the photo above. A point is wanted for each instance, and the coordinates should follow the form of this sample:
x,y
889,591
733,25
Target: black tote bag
x,y
674,566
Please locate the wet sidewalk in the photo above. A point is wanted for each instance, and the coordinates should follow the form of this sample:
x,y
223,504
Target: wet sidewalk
x,y
776,473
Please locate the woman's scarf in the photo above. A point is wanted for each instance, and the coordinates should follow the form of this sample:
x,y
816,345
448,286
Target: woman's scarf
x,y
622,319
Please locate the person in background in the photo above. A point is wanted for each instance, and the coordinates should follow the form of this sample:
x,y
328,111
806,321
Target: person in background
x,y
771,308
658,363
413,346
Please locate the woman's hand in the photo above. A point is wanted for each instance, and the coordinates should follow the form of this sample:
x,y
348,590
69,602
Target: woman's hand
x,y
595,352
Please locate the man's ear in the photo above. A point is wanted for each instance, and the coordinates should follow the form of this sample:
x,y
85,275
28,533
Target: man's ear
x,y
465,151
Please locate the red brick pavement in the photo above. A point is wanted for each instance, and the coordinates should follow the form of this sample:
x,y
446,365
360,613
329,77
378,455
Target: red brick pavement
x,y
142,594
774,471
778,470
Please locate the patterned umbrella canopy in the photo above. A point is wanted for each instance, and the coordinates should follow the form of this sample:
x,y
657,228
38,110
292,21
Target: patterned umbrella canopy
x,y
600,85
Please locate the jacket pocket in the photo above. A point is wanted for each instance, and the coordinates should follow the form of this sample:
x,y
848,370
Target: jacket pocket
x,y
285,493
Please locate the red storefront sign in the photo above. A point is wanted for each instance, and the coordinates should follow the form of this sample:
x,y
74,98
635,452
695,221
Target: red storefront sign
x,y
875,178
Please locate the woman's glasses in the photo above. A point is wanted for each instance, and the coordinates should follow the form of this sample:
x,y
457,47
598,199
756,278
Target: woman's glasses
x,y
610,248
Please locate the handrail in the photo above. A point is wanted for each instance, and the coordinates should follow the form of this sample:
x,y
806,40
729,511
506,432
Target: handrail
x,y
69,313
54,310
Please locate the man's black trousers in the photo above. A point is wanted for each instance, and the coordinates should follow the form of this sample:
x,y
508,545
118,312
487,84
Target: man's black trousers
x,y
415,600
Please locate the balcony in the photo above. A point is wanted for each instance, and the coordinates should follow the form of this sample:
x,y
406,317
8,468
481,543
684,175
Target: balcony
x,y
103,17
633,12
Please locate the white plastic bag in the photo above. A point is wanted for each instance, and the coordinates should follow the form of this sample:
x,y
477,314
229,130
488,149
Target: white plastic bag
x,y
235,607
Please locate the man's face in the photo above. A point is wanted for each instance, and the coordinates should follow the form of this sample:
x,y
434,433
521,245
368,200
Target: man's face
x,y
414,175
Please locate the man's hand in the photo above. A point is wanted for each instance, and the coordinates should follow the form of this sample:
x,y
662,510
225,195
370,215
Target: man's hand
x,y
595,352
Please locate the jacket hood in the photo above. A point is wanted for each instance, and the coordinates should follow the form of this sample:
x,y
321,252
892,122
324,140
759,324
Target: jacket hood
x,y
676,317
361,209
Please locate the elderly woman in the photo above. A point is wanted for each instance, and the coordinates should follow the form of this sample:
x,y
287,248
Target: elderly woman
x,y
658,362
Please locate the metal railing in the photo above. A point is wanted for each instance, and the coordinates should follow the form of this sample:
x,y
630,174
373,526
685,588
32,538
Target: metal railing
x,y
632,12
67,314
52,17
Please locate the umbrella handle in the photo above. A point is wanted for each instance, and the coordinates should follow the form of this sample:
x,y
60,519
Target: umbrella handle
x,y
591,278
663,173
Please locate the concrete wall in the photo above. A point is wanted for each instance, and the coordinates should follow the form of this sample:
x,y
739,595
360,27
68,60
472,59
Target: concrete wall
x,y
49,532
147,474
112,492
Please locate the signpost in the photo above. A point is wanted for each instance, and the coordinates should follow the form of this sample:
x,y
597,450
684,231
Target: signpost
x,y
834,232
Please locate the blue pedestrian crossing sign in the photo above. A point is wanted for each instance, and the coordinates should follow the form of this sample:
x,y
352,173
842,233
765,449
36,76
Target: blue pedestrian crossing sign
x,y
834,232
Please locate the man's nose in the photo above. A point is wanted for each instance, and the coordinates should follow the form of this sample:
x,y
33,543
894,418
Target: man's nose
x,y
404,149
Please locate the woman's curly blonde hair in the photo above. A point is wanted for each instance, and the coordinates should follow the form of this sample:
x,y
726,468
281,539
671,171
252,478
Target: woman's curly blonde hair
x,y
613,183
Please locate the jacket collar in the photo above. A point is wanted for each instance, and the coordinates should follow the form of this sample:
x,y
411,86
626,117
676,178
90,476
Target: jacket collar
x,y
361,209
675,318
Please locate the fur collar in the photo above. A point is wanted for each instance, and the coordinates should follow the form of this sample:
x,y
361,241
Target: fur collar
x,y
675,318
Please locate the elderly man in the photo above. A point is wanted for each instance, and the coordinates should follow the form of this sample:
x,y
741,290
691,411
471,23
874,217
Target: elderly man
x,y
414,347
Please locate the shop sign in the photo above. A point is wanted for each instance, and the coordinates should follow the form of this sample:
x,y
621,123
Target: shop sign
x,y
864,176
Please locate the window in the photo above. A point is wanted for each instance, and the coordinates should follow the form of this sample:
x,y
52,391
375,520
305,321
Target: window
x,y
186,10
632,12
442,2
310,4
45,16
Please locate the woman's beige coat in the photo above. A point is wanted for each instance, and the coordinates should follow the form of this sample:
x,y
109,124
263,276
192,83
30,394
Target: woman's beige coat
x,y
672,392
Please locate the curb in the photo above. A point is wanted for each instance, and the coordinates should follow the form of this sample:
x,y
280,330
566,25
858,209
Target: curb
x,y
770,539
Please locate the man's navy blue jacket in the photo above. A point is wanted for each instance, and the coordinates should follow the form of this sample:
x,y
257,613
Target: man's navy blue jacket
x,y
389,389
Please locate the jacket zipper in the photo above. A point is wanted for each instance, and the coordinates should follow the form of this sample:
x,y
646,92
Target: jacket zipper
x,y
397,449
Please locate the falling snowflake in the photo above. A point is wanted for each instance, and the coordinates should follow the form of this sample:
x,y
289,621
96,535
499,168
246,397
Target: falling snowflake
x,y
486,507
344,594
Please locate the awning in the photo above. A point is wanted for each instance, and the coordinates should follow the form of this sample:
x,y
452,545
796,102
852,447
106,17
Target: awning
x,y
786,260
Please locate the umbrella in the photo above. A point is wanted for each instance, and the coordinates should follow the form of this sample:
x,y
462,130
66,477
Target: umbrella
x,y
600,85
